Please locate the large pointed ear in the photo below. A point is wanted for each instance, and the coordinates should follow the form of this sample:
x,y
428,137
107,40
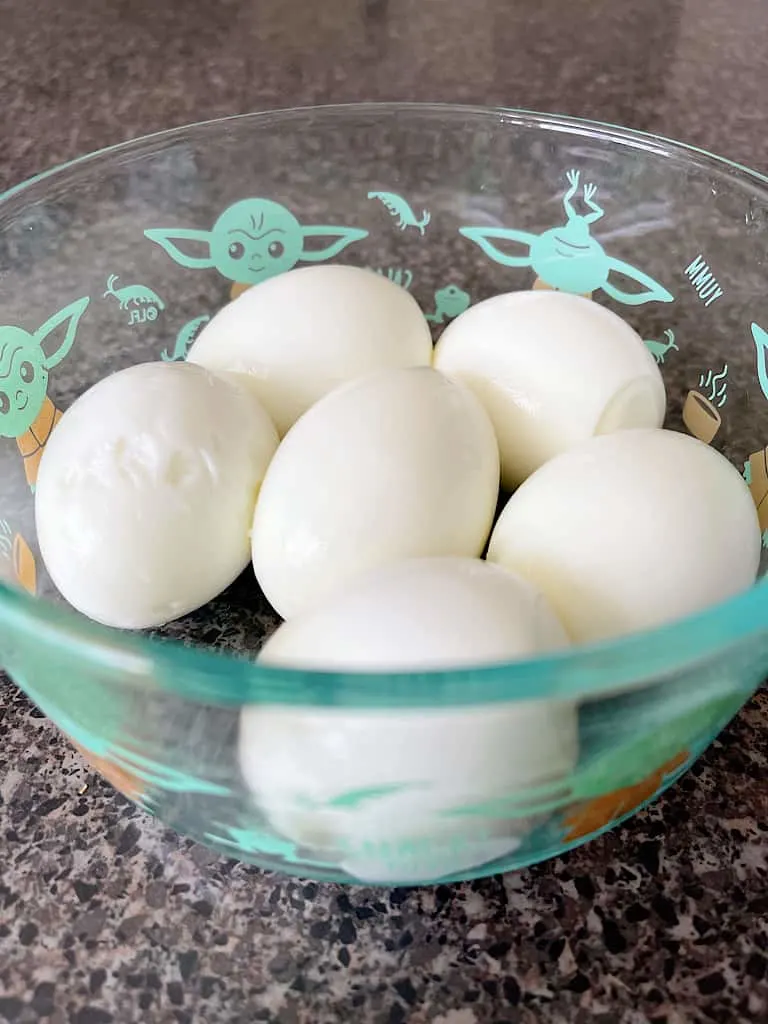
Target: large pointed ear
x,y
649,290
483,237
70,316
168,237
760,338
341,238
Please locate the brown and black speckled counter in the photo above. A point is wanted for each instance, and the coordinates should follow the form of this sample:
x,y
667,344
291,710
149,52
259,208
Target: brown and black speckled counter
x,y
107,916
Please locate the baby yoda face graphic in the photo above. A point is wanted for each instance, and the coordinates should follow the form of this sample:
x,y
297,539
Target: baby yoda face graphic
x,y
253,240
25,362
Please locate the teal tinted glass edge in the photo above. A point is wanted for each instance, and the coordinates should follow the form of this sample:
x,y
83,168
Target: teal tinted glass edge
x,y
509,115
226,679
588,671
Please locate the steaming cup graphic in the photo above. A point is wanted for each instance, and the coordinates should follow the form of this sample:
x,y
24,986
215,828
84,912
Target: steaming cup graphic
x,y
701,412
701,417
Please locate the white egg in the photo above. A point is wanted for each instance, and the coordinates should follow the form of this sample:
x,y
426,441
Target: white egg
x,y
552,370
146,492
399,464
411,794
301,334
630,531
418,614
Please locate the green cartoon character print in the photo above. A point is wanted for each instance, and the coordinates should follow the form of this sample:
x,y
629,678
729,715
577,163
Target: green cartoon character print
x,y
253,240
26,412
567,257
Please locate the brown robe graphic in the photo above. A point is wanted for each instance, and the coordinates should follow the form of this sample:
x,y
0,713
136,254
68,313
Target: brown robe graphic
x,y
24,568
33,441
594,814
123,780
758,486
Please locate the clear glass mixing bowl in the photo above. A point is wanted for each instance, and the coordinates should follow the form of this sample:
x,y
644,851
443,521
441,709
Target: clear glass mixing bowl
x,y
117,258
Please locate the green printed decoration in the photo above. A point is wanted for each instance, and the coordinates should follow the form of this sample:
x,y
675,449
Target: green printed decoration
x,y
26,359
641,734
401,210
663,739
450,302
397,275
716,386
6,543
760,338
659,349
523,805
353,799
621,748
253,240
567,257
140,301
102,721
17,563
184,339
254,840
7,568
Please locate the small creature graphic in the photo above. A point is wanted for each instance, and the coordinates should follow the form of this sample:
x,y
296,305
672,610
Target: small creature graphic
x,y
184,339
659,349
17,563
450,302
401,210
26,412
143,299
398,276
252,240
701,412
760,338
567,258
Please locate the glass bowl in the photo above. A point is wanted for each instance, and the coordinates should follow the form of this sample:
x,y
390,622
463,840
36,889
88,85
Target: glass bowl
x,y
119,257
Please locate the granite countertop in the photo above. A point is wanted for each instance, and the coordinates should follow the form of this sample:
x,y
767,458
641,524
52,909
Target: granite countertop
x,y
105,915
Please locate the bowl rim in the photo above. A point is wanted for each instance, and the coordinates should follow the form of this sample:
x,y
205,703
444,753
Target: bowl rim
x,y
222,677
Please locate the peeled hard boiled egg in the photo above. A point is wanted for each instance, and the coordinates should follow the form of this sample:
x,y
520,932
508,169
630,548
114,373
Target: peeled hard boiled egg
x,y
146,492
301,334
435,613
398,464
630,531
405,794
552,370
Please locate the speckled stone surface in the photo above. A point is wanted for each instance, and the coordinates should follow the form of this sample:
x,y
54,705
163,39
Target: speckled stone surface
x,y
107,916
